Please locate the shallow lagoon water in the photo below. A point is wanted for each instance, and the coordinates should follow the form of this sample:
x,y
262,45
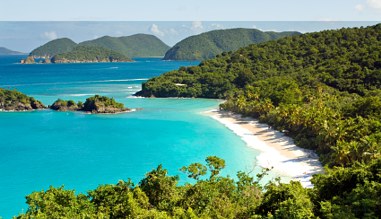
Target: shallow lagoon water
x,y
82,151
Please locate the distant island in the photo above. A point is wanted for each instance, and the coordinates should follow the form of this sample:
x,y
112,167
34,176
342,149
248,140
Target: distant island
x,y
209,44
95,104
54,47
104,49
138,45
89,54
12,100
6,51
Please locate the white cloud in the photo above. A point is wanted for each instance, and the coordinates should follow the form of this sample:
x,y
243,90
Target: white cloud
x,y
197,26
359,7
155,30
217,26
49,35
376,4
173,31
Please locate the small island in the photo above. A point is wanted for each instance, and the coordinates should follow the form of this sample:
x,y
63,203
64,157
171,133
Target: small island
x,y
13,100
95,104
90,54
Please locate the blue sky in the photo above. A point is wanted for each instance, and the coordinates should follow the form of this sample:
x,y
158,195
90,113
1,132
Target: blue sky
x,y
26,24
185,10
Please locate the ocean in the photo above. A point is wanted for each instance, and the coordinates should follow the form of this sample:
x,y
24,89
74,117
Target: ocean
x,y
82,151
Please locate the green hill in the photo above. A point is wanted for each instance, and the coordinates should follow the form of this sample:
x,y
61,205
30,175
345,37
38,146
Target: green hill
x,y
138,45
54,47
5,51
209,44
87,54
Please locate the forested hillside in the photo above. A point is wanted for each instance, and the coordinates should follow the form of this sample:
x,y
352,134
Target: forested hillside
x,y
90,54
138,45
322,87
54,47
209,44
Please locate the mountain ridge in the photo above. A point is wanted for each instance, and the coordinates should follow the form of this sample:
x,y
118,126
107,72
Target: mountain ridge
x,y
136,45
209,44
6,51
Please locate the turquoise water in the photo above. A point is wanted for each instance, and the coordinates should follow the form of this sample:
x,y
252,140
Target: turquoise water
x,y
82,151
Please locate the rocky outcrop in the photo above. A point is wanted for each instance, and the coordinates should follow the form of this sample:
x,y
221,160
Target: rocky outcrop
x,y
95,104
12,100
63,105
28,60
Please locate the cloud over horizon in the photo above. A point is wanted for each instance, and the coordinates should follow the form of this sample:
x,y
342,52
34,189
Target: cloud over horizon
x,y
156,31
375,4
49,35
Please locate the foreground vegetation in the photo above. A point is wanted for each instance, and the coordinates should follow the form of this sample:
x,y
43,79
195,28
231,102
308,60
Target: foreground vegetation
x,y
346,193
95,104
13,100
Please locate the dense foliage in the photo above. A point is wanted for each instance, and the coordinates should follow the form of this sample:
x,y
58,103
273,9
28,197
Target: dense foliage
x,y
209,44
95,104
346,193
138,45
54,47
13,100
90,54
66,105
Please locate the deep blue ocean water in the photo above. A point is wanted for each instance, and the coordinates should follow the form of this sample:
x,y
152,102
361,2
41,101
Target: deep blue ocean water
x,y
82,151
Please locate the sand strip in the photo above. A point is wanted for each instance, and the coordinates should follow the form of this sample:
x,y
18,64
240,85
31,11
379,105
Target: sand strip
x,y
277,151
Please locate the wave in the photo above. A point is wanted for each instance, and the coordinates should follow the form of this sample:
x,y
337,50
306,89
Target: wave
x,y
79,95
75,82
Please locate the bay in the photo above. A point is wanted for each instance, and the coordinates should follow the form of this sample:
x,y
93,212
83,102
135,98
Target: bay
x,y
82,151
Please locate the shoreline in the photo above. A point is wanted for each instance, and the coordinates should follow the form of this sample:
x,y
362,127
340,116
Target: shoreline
x,y
276,150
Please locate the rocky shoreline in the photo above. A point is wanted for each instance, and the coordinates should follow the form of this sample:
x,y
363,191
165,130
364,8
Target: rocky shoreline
x,y
47,60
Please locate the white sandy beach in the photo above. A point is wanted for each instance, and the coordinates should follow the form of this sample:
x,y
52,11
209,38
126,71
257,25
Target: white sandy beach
x,y
277,151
